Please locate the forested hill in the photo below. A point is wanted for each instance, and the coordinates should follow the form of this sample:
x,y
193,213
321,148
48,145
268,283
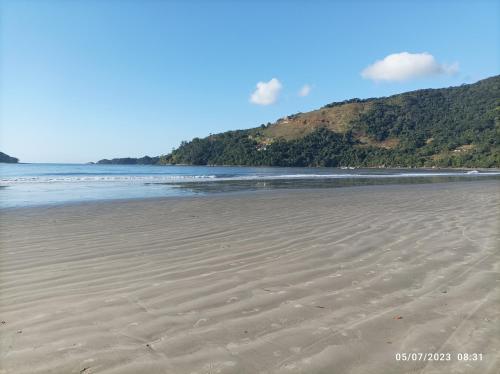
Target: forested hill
x,y
146,160
448,127
4,158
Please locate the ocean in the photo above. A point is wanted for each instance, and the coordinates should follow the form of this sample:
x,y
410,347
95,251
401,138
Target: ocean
x,y
24,185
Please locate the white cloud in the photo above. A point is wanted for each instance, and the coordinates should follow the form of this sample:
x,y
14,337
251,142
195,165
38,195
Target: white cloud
x,y
404,66
305,90
266,92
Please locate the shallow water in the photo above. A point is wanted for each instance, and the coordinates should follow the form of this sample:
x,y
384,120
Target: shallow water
x,y
39,184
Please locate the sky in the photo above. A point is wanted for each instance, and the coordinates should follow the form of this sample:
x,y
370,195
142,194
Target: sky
x,y
86,80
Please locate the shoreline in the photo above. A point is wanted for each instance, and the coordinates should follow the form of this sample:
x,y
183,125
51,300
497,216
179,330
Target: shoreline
x,y
298,281
198,195
263,166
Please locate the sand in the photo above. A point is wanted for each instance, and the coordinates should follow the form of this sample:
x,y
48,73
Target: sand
x,y
305,281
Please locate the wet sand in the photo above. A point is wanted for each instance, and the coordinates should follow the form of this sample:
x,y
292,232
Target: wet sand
x,y
305,281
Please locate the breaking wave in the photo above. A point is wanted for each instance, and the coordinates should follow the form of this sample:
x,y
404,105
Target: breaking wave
x,y
175,179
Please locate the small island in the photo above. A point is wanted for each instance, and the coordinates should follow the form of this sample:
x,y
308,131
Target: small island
x,y
6,159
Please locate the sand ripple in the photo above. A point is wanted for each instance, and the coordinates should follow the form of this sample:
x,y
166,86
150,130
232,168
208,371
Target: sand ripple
x,y
316,281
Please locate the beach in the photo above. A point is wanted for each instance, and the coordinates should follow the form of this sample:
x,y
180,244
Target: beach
x,y
339,280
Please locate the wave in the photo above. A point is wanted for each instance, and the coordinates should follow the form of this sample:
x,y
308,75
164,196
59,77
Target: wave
x,y
173,179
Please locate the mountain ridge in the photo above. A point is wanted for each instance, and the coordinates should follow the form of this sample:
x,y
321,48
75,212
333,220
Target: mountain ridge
x,y
445,127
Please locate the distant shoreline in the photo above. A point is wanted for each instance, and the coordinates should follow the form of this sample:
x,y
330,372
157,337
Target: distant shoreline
x,y
261,166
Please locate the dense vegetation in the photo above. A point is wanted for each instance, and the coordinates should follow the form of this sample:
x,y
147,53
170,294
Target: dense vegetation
x,y
449,127
320,148
146,160
8,159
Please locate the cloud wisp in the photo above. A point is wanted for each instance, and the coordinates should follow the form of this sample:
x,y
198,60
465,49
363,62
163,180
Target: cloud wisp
x,y
305,90
398,67
266,93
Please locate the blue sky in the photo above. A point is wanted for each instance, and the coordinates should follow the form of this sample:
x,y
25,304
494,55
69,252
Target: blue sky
x,y
85,80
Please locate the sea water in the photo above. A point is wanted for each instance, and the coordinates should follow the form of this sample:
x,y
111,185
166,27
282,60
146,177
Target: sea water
x,y
39,184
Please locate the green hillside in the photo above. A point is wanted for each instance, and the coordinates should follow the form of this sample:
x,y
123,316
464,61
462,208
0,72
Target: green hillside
x,y
448,127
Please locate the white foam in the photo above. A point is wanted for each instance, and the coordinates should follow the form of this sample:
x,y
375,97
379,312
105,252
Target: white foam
x,y
173,179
